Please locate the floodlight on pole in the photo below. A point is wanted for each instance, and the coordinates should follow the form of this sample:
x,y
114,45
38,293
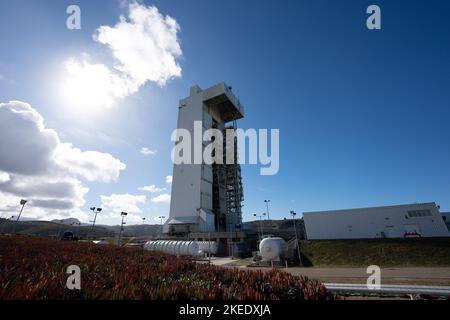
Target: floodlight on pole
x,y
293,213
22,203
267,206
123,214
260,223
95,211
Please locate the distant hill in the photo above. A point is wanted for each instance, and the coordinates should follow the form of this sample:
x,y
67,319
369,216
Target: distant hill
x,y
55,228
70,222
138,230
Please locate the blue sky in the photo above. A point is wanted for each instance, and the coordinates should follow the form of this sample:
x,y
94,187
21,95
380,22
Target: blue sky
x,y
363,115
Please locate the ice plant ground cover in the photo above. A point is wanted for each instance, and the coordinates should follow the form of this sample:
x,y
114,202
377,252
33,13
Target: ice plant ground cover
x,y
35,268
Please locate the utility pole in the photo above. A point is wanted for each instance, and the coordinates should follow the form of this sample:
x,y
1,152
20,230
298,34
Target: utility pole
x,y
96,211
296,238
123,214
22,202
260,224
267,206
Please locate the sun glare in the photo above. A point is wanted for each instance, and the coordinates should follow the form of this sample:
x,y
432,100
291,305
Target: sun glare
x,y
88,87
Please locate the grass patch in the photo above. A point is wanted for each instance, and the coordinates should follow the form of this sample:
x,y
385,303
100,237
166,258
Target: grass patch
x,y
428,252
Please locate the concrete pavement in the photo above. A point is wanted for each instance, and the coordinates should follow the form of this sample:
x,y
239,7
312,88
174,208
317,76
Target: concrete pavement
x,y
437,276
401,275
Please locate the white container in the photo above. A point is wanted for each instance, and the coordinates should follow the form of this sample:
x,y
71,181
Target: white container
x,y
179,248
273,249
168,248
210,247
193,248
171,249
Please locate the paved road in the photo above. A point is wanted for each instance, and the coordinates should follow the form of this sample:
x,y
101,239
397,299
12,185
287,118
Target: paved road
x,y
419,275
439,276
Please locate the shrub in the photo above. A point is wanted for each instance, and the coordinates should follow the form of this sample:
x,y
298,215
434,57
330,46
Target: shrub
x,y
35,268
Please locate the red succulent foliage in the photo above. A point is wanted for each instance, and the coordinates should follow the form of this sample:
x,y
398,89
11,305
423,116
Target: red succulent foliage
x,y
35,268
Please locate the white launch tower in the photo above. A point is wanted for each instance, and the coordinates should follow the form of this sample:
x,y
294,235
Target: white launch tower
x,y
207,198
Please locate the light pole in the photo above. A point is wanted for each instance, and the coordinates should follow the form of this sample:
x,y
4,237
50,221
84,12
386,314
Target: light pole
x,y
296,238
123,214
161,219
260,224
143,220
95,211
22,202
267,206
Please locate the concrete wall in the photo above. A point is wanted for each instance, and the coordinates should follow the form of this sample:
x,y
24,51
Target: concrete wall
x,y
389,222
187,182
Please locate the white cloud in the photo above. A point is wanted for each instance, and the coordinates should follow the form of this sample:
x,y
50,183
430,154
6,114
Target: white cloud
x,y
133,219
47,187
92,165
160,219
114,204
169,179
152,188
145,47
89,85
162,198
9,203
10,206
147,152
123,203
35,165
4,177
26,146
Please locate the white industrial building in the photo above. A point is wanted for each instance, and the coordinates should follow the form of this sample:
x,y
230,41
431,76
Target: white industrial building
x,y
412,220
207,197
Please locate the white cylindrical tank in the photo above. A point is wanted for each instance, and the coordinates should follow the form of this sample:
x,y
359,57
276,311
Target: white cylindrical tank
x,y
179,248
182,251
272,249
193,248
170,247
210,247
164,245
